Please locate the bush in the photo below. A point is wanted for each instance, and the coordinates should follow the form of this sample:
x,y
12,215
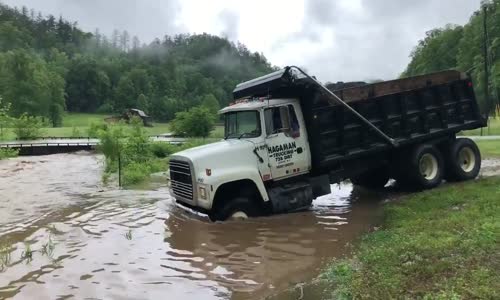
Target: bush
x,y
162,150
8,153
95,127
131,144
110,145
75,132
139,157
197,122
28,127
136,172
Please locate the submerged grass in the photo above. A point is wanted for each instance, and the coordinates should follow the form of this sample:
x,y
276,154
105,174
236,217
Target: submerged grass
x,y
27,254
439,244
129,151
5,257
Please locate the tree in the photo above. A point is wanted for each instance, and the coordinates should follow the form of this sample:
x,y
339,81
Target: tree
x,y
115,38
124,41
197,122
136,43
164,108
5,119
30,85
130,86
143,103
13,37
437,52
88,86
97,38
48,64
210,102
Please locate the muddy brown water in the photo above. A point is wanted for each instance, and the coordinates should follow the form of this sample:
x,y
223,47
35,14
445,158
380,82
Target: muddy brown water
x,y
94,241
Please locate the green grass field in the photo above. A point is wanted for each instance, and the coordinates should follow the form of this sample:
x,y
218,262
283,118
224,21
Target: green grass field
x,y
489,148
77,124
439,244
494,129
82,120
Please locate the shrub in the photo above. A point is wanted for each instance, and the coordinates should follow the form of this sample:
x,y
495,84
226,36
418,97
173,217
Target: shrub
x,y
75,132
197,122
162,150
28,127
110,145
8,153
136,172
139,157
95,127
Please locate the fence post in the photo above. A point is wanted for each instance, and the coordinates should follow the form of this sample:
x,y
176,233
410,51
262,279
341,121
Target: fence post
x,y
119,169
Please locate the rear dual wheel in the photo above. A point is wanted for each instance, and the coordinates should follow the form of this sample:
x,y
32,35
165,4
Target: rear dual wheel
x,y
463,160
425,167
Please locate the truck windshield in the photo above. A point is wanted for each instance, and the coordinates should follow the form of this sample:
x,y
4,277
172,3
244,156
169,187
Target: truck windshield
x,y
242,124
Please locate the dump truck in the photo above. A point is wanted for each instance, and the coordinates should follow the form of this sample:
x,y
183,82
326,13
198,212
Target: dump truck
x,y
288,138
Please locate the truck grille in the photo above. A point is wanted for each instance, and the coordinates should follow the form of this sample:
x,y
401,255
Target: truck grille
x,y
181,180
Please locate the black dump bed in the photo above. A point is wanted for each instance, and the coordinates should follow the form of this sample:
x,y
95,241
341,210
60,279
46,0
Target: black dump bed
x,y
409,110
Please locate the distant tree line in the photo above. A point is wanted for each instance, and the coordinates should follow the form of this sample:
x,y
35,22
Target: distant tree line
x,y
49,66
461,48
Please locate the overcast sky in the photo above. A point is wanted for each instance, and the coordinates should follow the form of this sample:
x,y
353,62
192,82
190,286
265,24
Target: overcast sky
x,y
336,40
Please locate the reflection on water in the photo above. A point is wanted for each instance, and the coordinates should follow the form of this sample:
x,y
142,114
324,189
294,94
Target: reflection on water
x,y
93,241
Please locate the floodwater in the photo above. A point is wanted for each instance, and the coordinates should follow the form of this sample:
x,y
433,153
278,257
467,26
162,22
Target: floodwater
x,y
63,234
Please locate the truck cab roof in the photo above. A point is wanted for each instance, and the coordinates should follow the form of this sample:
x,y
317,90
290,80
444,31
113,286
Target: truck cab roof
x,y
254,104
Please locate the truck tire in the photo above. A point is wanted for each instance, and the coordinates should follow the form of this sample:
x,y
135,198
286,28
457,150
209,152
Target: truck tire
x,y
424,168
375,179
463,160
238,208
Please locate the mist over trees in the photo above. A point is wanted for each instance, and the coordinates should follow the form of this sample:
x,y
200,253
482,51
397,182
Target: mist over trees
x,y
461,48
48,65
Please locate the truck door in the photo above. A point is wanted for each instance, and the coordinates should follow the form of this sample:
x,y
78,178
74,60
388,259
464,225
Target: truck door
x,y
286,141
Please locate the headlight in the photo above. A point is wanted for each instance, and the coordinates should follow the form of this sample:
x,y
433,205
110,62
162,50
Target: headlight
x,y
202,192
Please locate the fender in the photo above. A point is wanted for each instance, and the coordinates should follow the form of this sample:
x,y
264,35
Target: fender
x,y
228,175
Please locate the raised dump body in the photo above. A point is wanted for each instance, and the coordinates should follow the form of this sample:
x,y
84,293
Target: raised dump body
x,y
409,110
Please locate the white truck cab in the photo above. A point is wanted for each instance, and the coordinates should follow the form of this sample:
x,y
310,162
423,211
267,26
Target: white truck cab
x,y
265,141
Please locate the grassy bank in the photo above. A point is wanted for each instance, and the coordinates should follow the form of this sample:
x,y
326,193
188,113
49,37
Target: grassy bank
x,y
439,244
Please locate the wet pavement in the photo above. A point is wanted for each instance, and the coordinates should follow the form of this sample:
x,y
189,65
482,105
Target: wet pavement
x,y
65,235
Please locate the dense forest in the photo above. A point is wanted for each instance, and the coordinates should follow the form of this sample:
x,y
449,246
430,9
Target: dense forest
x,y
461,48
48,66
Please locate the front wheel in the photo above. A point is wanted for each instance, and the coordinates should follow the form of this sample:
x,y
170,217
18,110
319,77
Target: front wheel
x,y
239,208
463,160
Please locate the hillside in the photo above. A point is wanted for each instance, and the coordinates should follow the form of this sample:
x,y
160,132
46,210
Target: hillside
x,y
49,65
